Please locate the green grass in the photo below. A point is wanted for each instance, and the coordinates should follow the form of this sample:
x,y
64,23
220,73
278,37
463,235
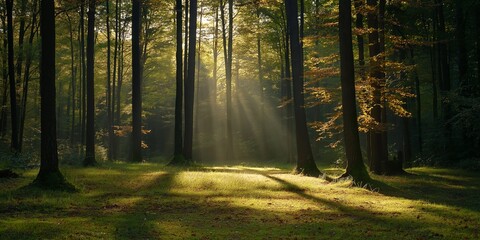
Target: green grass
x,y
150,201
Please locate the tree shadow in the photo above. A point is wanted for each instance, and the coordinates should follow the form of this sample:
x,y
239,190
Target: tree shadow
x,y
434,189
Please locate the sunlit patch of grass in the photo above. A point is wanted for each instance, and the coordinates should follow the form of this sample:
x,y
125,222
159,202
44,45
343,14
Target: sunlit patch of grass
x,y
150,201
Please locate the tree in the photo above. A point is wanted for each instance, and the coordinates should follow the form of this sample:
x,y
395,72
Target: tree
x,y
136,155
305,162
26,77
377,159
109,86
178,151
49,174
355,166
11,77
90,134
227,52
190,84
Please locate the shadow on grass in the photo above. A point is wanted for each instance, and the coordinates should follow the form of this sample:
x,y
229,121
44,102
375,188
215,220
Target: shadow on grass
x,y
156,212
137,222
434,189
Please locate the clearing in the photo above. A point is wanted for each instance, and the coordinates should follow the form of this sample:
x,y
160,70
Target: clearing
x,y
151,201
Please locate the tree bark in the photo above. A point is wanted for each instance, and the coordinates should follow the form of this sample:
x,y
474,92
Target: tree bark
x,y
179,85
109,86
136,154
376,136
190,84
90,88
26,76
355,167
83,74
49,173
305,162
11,77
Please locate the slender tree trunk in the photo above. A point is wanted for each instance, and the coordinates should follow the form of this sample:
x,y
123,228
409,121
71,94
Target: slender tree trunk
x,y
118,119
305,162
190,83
73,81
113,147
21,39
197,86
376,138
26,76
179,86
83,73
90,127
262,139
136,155
381,32
215,57
185,50
444,74
355,166
109,86
227,46
288,98
11,77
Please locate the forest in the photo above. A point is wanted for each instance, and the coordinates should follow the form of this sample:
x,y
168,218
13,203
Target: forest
x,y
240,119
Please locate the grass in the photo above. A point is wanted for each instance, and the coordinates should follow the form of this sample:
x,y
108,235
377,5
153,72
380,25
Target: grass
x,y
150,201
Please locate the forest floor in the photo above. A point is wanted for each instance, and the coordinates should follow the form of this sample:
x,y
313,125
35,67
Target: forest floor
x,y
151,201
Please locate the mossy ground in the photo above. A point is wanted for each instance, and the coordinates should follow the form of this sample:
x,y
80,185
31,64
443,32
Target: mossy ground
x,y
150,201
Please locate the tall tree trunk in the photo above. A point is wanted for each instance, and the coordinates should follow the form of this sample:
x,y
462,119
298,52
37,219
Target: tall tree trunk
x,y
11,77
26,76
90,87
305,162
190,84
136,154
215,57
74,84
49,174
381,32
197,86
118,119
288,98
444,74
227,49
262,139
376,136
359,5
355,166
179,85
83,74
109,86
21,39
113,147
185,50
